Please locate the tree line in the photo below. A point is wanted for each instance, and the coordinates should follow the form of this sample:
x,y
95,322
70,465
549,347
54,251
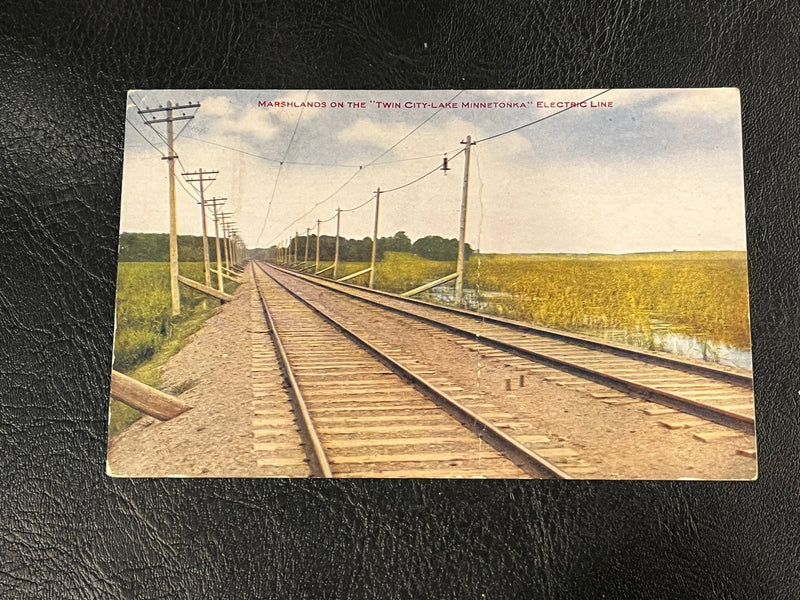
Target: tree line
x,y
154,247
432,247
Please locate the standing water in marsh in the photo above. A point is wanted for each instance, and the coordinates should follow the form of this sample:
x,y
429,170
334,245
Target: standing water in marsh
x,y
692,304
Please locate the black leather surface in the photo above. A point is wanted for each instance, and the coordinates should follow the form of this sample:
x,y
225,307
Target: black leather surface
x,y
68,531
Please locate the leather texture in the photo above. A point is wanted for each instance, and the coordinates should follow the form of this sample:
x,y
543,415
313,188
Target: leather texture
x,y
68,531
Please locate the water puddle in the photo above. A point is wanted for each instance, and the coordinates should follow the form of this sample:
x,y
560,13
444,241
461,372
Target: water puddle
x,y
663,337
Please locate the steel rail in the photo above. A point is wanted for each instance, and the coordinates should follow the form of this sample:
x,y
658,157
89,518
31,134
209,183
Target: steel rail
x,y
717,415
528,460
575,339
320,467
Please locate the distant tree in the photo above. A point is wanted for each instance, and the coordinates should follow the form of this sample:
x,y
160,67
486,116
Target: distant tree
x,y
399,242
434,247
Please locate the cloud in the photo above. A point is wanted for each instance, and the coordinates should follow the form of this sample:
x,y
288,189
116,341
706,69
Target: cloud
x,y
717,105
216,106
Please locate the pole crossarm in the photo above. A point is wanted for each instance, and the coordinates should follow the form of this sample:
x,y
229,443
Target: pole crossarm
x,y
427,286
166,108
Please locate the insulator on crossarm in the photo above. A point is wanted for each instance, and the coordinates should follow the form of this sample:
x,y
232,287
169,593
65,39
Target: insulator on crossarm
x,y
445,168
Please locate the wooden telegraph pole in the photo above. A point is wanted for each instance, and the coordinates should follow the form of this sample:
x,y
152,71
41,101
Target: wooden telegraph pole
x,y
228,234
336,249
375,238
316,266
235,246
203,177
217,202
223,216
462,230
308,231
173,210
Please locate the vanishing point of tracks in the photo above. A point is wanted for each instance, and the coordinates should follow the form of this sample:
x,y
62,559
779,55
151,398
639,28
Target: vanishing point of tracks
x,y
361,413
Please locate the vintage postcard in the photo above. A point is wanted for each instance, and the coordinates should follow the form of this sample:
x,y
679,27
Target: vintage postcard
x,y
543,284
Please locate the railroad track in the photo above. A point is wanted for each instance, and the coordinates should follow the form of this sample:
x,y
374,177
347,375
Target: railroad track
x,y
361,413
720,396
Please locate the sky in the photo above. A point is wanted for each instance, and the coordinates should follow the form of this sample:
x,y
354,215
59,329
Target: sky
x,y
651,170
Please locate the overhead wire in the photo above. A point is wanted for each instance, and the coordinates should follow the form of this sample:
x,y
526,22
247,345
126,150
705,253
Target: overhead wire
x,y
393,146
361,168
420,178
193,194
278,174
551,115
359,206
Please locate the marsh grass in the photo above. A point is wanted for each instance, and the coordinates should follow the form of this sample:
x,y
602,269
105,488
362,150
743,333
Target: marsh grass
x,y
701,294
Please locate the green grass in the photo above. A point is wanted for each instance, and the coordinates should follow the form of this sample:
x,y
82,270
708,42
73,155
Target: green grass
x,y
147,334
695,293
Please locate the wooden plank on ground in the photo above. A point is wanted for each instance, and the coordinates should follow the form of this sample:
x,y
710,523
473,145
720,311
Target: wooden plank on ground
x,y
709,436
144,398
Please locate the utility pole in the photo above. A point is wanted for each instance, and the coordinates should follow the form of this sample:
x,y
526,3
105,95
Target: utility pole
x,y
462,230
225,225
375,238
225,241
173,210
228,234
308,231
217,202
235,247
316,267
336,249
202,177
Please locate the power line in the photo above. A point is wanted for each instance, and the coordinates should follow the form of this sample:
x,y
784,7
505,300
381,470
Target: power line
x,y
328,219
393,146
361,168
143,136
306,163
267,158
194,195
359,206
570,107
278,174
431,172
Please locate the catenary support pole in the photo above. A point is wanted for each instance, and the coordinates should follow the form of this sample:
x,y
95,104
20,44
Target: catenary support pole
x,y
336,249
316,265
203,177
462,230
375,238
218,202
173,217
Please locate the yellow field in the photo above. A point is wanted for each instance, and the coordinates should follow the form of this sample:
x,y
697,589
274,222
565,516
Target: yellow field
x,y
701,294
695,293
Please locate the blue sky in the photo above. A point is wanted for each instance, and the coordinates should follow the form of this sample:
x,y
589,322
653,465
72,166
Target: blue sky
x,y
660,170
